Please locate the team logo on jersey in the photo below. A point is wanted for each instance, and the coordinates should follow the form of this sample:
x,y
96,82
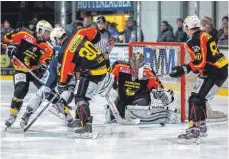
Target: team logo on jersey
x,y
129,92
196,49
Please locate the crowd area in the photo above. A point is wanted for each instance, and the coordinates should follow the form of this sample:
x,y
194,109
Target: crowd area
x,y
167,34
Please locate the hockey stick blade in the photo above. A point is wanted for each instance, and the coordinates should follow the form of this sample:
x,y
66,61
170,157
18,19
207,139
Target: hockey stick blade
x,y
14,130
87,136
56,112
38,115
154,76
117,116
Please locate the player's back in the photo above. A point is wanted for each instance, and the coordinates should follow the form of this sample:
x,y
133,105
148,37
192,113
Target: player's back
x,y
30,51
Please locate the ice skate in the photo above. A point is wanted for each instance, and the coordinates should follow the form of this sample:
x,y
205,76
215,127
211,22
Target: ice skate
x,y
192,135
203,130
86,130
25,117
9,122
73,125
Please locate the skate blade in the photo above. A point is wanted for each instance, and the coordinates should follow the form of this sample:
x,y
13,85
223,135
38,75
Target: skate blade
x,y
189,141
86,135
203,134
55,112
73,129
14,130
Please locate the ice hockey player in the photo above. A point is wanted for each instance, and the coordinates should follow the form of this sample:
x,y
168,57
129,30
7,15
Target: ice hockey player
x,y
58,37
134,91
212,67
32,50
79,54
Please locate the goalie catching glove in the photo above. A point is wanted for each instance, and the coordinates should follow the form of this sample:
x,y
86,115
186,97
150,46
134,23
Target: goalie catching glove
x,y
166,96
178,71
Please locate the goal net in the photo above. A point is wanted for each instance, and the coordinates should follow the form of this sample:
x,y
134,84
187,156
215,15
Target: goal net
x,y
162,57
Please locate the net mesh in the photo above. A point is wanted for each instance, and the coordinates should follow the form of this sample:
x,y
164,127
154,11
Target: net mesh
x,y
161,58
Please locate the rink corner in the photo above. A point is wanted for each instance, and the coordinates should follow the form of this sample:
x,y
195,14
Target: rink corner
x,y
222,91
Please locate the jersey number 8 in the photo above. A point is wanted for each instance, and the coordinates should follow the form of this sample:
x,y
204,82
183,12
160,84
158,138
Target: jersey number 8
x,y
89,51
214,48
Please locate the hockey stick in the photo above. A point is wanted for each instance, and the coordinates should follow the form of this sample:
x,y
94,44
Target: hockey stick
x,y
23,65
117,116
154,76
20,131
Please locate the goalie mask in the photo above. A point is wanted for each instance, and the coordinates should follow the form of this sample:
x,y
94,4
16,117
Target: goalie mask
x,y
136,62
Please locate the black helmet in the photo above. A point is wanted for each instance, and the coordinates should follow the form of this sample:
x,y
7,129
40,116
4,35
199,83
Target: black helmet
x,y
101,19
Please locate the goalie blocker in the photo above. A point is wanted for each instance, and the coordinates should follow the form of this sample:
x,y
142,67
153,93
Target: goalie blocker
x,y
134,94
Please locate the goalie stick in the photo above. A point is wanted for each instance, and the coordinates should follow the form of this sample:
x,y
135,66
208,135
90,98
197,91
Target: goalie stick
x,y
154,76
117,116
20,131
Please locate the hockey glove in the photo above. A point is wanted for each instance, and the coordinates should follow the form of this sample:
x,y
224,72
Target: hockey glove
x,y
41,70
166,96
11,50
178,71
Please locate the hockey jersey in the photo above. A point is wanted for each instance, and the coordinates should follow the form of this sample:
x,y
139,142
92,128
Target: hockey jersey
x,y
129,87
78,53
206,57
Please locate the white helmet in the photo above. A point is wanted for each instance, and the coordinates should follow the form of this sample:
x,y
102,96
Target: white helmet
x,y
56,33
191,22
43,26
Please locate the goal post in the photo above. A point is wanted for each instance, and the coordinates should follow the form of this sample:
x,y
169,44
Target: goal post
x,y
143,47
161,57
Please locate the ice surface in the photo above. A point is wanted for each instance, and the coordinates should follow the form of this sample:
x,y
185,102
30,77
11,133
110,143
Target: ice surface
x,y
49,139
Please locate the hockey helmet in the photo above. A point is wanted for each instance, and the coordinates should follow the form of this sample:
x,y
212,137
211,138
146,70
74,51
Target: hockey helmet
x,y
191,22
57,33
43,26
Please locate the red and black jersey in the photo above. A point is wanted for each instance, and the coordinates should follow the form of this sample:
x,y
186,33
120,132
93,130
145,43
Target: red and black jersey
x,y
206,57
129,87
30,51
79,54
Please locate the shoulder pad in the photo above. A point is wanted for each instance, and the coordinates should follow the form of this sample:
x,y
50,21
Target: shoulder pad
x,y
25,29
120,62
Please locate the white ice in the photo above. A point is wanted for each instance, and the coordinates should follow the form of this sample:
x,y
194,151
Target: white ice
x,y
48,138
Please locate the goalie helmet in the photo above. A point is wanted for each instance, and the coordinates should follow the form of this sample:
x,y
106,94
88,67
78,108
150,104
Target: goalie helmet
x,y
191,22
136,61
43,26
57,33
